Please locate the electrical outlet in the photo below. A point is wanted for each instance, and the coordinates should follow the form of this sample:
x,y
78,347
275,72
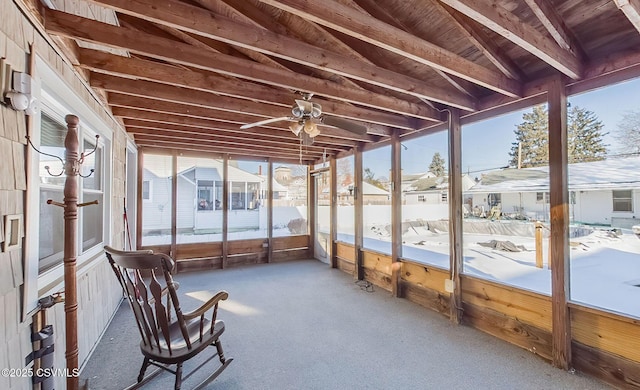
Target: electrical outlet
x,y
449,285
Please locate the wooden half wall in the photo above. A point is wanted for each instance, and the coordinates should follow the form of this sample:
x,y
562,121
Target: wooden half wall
x,y
209,255
604,345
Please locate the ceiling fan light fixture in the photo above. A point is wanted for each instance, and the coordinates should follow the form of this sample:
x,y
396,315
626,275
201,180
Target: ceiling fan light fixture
x,y
296,128
311,128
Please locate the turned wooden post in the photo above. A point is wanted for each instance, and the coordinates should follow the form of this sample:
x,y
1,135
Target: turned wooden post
x,y
71,169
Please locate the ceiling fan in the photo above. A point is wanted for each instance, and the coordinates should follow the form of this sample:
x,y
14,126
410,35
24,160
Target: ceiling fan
x,y
306,115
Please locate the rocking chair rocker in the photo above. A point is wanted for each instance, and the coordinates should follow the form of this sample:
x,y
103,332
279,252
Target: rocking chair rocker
x,y
165,341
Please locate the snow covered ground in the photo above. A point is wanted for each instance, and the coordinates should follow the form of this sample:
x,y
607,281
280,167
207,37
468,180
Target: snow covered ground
x,y
605,266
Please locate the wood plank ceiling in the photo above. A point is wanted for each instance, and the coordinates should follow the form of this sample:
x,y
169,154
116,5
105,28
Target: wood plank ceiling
x,y
194,71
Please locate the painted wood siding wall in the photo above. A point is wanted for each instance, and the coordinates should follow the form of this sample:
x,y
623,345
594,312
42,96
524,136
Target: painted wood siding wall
x,y
98,291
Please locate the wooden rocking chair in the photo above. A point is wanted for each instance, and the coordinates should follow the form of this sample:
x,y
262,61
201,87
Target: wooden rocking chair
x,y
165,341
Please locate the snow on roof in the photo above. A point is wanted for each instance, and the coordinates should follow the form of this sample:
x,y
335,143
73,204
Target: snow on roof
x,y
438,183
605,174
277,187
160,166
370,189
417,176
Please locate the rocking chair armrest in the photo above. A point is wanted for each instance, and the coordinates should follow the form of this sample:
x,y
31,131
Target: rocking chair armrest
x,y
220,296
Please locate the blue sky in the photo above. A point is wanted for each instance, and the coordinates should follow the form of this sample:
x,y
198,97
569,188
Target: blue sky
x,y
486,144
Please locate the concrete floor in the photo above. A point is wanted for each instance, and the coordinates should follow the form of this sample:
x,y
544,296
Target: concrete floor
x,y
302,325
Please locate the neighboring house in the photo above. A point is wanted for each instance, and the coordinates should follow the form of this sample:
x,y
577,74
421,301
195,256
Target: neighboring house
x,y
408,180
296,184
200,190
602,192
372,195
431,189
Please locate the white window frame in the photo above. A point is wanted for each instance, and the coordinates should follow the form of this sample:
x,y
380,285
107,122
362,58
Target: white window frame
x,y
613,201
58,99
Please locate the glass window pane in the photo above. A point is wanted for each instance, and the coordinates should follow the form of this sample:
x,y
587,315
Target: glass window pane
x,y
247,200
425,206
345,209
51,230
92,221
290,190
605,230
376,199
52,134
505,184
156,213
198,218
92,161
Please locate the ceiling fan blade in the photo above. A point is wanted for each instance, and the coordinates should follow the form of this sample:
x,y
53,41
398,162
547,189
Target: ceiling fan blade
x,y
267,121
345,124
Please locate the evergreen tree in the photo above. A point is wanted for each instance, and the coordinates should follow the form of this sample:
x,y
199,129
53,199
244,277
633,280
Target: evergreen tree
x,y
533,139
585,138
585,135
629,132
437,165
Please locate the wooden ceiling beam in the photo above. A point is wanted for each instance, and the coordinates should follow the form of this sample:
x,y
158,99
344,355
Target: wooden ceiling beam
x,y
550,19
289,141
199,21
170,74
352,22
482,42
208,153
211,82
151,104
60,23
272,135
151,142
490,14
374,8
631,9
240,142
247,12
172,118
258,147
242,105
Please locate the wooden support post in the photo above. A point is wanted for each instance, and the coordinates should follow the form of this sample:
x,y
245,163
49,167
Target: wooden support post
x,y
455,213
312,204
396,212
270,209
174,206
225,210
538,227
71,169
559,241
333,224
358,212
139,199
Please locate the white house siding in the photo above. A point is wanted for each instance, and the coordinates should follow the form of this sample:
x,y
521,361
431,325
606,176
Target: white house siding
x,y
186,204
156,212
429,197
98,291
593,207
